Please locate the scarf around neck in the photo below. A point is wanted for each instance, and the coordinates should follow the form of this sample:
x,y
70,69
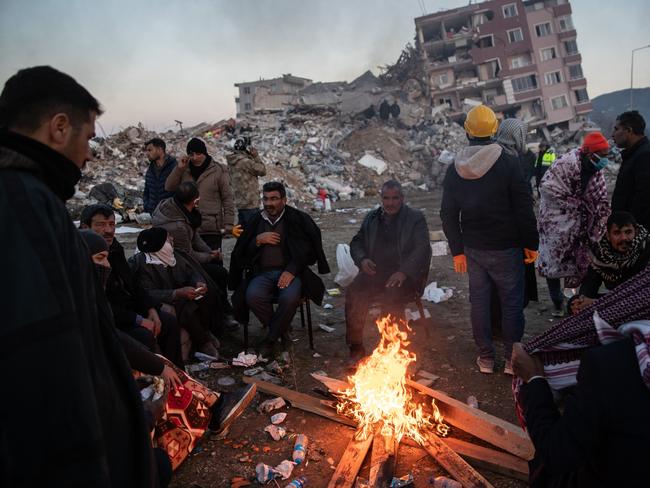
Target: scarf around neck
x,y
610,264
164,257
197,171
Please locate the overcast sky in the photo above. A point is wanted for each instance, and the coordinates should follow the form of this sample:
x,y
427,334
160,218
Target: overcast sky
x,y
158,60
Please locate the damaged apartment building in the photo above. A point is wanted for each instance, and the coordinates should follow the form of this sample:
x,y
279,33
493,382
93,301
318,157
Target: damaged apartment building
x,y
519,57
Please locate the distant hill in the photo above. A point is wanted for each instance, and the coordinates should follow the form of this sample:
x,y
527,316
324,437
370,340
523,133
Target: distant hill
x,y
609,105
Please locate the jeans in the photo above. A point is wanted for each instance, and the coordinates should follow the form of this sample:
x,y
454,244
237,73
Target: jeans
x,y
259,297
244,215
503,270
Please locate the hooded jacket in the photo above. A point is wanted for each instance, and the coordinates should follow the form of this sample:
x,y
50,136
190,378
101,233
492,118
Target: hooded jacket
x,y
171,217
217,204
244,170
485,202
55,313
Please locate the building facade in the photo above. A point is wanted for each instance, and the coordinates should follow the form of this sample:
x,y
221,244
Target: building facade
x,y
519,57
268,95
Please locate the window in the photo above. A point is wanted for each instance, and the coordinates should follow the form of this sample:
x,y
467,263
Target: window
x,y
565,23
490,69
509,10
525,83
571,47
581,95
548,53
553,78
247,106
515,35
543,29
575,72
247,90
443,79
486,41
559,102
519,61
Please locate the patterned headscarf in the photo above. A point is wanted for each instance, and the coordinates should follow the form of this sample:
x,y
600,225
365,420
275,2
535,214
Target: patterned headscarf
x,y
512,136
610,264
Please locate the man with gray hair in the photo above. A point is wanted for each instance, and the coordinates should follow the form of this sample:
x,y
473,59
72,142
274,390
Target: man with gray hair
x,y
393,254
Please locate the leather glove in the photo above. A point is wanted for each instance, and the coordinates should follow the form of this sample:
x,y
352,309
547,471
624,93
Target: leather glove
x,y
237,230
530,256
460,263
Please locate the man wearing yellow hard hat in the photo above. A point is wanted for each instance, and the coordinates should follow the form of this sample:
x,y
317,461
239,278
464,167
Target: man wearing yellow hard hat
x,y
487,216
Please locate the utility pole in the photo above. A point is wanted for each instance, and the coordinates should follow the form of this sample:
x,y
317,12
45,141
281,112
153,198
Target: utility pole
x,y
632,75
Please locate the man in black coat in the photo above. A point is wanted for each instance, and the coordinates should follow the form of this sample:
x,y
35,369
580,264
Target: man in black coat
x,y
633,181
602,437
393,254
135,311
53,331
272,259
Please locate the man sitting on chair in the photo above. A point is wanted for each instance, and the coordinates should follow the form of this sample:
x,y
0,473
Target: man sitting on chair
x,y
271,261
393,253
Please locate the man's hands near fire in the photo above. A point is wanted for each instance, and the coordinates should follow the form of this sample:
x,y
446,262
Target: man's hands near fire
x,y
368,267
171,378
397,279
285,279
524,365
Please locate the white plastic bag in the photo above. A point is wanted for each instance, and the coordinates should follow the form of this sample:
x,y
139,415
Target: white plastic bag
x,y
347,269
436,295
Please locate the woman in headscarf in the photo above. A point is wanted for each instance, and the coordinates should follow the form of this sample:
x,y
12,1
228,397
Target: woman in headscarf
x,y
572,215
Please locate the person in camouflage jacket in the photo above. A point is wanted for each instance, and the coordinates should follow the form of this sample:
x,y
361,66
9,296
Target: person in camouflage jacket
x,y
245,166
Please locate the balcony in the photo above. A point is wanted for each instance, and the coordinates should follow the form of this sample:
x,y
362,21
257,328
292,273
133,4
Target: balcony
x,y
573,58
560,10
584,107
528,95
569,34
578,83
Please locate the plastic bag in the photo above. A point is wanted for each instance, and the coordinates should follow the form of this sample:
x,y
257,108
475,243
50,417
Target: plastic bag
x,y
347,269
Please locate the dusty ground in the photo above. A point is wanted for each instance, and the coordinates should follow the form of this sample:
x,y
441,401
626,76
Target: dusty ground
x,y
448,352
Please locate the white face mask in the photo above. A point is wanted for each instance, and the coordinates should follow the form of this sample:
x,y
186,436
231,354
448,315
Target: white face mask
x,y
166,254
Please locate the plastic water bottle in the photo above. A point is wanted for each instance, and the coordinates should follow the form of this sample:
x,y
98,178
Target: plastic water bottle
x,y
297,483
300,448
444,482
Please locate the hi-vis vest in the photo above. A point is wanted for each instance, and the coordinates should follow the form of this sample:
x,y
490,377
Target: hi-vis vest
x,y
548,158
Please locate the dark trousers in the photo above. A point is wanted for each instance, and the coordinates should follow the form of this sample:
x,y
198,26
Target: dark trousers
x,y
244,215
365,290
259,298
555,290
168,342
213,240
502,270
219,275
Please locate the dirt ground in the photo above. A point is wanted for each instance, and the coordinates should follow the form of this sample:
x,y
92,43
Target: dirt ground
x,y
448,352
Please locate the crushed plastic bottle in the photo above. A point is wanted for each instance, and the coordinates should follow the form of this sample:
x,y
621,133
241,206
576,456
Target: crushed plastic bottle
x,y
299,482
472,401
300,448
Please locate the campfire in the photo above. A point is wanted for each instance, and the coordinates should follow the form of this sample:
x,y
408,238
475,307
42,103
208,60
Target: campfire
x,y
378,398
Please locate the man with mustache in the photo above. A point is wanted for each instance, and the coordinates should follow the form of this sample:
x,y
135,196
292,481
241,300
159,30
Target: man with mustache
x,y
623,251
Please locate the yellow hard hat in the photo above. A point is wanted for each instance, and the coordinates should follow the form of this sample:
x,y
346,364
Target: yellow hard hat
x,y
481,122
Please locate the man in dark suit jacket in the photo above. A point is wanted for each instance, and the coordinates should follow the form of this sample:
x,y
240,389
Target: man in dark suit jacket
x,y
393,254
603,436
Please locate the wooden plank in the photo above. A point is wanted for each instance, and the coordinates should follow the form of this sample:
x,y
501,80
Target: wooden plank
x,y
489,428
350,463
456,466
494,430
486,458
383,460
300,400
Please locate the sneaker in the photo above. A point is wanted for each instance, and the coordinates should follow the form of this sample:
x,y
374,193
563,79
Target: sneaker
x,y
558,313
508,368
485,365
230,406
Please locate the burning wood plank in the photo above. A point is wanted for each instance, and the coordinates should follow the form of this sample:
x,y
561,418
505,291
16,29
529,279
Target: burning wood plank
x,y
453,463
383,459
350,463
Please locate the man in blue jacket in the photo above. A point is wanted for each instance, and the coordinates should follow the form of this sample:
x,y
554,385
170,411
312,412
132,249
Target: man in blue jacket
x,y
160,165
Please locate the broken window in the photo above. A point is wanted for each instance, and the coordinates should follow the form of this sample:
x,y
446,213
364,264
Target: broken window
x,y
581,95
509,10
559,102
486,41
520,61
525,83
565,23
548,53
481,18
543,29
571,47
553,78
515,35
575,72
490,69
247,90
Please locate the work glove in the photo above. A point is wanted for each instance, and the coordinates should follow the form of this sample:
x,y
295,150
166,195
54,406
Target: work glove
x,y
530,256
460,264
237,230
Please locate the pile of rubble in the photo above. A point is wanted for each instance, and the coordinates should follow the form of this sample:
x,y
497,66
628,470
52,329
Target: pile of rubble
x,y
308,148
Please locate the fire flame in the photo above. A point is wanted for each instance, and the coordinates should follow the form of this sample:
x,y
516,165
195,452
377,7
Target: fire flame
x,y
378,398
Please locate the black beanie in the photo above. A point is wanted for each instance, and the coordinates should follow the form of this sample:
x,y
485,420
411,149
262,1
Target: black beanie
x,y
94,241
152,240
196,145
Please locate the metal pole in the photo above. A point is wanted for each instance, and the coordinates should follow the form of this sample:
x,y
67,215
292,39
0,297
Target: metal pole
x,y
632,75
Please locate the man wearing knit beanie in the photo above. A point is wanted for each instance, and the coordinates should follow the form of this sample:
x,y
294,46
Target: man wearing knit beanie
x,y
217,202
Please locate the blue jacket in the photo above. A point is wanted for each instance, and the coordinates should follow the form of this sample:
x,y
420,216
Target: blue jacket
x,y
154,183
